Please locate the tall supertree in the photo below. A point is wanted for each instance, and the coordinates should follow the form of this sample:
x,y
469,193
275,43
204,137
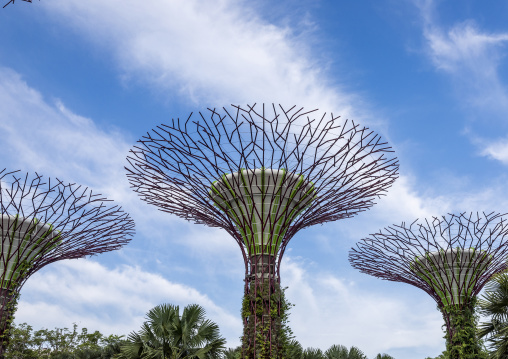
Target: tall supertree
x,y
450,257
44,221
262,173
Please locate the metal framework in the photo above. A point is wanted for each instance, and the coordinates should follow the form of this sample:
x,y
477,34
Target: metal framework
x,y
44,221
12,2
262,173
450,257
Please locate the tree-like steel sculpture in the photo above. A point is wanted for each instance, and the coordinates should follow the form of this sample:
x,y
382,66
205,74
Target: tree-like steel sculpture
x,y
450,257
44,221
262,174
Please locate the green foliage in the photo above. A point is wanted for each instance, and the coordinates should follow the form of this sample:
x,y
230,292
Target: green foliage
x,y
20,344
286,335
63,343
294,350
274,322
437,271
494,304
441,356
7,320
312,353
233,353
341,352
384,356
462,341
166,334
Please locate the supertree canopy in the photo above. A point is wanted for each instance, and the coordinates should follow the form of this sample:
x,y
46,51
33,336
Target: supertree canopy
x,y
44,221
450,257
262,173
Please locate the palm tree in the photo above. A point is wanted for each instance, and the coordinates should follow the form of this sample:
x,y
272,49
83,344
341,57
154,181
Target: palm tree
x,y
494,303
233,353
384,356
312,353
341,352
294,350
166,335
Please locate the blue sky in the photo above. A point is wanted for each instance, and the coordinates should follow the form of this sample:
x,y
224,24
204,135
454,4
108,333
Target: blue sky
x,y
82,81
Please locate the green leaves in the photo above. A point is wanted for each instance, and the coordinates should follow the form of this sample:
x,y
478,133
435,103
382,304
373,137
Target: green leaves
x,y
462,341
25,343
341,352
494,304
312,353
167,335
295,351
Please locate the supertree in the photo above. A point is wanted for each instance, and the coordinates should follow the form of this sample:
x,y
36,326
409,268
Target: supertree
x,y
44,221
450,257
262,174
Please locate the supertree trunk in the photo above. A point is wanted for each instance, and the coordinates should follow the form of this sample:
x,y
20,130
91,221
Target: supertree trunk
x,y
261,310
461,334
8,305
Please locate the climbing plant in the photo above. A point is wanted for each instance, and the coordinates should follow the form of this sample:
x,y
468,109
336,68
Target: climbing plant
x,y
274,323
462,340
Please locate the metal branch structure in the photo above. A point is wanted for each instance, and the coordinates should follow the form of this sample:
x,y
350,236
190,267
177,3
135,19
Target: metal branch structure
x,y
262,173
43,221
450,257
12,2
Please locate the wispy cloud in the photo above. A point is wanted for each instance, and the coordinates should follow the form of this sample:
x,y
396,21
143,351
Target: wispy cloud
x,y
43,135
113,301
333,310
497,150
217,52
49,138
472,57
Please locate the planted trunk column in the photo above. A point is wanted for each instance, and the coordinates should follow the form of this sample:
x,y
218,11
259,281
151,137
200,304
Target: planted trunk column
x,y
262,203
261,310
453,274
8,304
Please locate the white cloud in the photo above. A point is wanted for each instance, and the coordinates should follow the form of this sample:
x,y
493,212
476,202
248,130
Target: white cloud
x,y
214,53
497,150
462,46
405,202
465,46
332,310
112,301
47,137
472,57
